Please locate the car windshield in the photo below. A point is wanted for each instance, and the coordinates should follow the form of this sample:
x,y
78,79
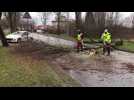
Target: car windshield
x,y
17,33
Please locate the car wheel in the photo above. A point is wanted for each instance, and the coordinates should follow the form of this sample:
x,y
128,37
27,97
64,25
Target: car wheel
x,y
19,40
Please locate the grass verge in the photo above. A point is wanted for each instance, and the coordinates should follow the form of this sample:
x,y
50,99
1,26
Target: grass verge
x,y
127,46
23,71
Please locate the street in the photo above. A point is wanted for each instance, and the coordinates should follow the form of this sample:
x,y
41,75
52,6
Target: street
x,y
114,71
99,71
53,40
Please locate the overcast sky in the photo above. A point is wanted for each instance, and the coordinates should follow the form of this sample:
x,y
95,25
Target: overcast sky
x,y
36,16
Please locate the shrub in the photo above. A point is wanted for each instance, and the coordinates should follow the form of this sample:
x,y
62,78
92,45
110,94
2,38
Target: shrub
x,y
119,42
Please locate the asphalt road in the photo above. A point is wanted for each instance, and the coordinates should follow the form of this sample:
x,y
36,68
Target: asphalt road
x,y
53,40
114,71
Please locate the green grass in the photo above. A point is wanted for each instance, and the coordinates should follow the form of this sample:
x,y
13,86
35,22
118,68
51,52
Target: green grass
x,y
127,45
24,71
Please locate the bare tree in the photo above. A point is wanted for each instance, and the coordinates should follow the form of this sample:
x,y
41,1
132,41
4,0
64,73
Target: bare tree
x,y
45,16
112,19
89,23
4,23
13,20
2,36
99,18
78,20
68,23
132,21
116,18
58,22
109,19
127,22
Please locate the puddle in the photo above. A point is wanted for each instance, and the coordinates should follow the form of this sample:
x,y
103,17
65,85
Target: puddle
x,y
113,74
129,67
101,79
101,71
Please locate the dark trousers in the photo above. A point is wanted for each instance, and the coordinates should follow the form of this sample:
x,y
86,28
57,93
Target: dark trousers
x,y
106,48
79,46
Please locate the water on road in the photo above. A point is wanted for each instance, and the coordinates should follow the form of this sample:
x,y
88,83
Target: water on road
x,y
99,71
117,71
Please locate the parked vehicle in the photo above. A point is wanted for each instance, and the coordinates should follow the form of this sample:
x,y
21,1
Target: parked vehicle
x,y
19,36
39,31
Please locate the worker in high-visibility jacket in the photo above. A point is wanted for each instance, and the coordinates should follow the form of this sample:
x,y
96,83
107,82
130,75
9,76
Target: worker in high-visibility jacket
x,y
106,38
79,41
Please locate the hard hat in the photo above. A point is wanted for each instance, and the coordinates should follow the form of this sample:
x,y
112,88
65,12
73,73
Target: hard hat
x,y
106,30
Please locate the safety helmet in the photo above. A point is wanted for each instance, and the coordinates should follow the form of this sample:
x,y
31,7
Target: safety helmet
x,y
106,30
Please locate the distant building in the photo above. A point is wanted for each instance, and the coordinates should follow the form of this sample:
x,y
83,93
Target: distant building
x,y
43,28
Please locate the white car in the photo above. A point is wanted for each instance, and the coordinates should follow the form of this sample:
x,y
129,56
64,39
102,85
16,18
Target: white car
x,y
39,31
18,36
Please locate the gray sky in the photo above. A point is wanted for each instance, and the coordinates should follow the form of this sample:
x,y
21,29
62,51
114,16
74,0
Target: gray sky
x,y
36,16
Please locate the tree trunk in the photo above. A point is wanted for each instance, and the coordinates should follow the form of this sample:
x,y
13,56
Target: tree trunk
x,y
2,36
58,24
15,21
78,20
89,22
100,19
45,19
12,21
68,24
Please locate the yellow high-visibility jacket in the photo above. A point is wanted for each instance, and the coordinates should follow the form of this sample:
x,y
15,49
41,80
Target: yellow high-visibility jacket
x,y
79,37
106,37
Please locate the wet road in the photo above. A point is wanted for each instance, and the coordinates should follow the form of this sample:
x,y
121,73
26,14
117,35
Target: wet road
x,y
114,71
53,40
118,72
